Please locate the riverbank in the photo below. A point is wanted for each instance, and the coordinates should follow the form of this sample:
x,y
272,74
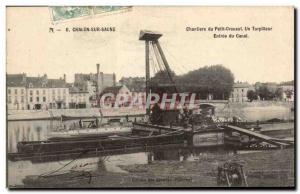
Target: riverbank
x,y
263,169
74,113
250,111
258,110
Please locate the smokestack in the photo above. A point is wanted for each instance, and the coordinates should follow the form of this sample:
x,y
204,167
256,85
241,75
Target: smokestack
x,y
97,78
97,85
98,68
24,78
65,77
114,79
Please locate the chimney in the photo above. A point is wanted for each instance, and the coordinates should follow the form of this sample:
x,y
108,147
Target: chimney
x,y
97,78
65,77
44,78
24,78
98,68
114,79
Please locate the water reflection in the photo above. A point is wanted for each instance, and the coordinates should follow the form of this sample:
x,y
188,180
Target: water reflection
x,y
39,130
28,131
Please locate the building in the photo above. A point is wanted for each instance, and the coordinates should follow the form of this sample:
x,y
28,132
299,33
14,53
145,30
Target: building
x,y
44,93
134,84
79,96
239,92
88,80
112,94
16,91
288,92
106,80
98,81
273,91
34,93
137,87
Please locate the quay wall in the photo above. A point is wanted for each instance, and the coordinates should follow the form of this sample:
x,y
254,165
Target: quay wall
x,y
251,111
56,113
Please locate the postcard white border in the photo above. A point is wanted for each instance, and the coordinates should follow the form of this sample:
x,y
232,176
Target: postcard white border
x,y
5,3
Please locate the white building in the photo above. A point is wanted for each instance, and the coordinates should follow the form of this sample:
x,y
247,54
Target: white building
x,y
28,93
44,93
239,93
16,92
287,92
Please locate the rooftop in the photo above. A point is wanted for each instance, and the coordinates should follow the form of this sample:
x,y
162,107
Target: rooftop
x,y
77,88
241,85
113,89
149,35
21,80
16,80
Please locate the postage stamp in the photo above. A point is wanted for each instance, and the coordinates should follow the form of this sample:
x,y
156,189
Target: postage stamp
x,y
63,13
69,12
105,9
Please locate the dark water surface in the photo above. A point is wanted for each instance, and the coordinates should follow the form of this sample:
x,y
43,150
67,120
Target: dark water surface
x,y
39,130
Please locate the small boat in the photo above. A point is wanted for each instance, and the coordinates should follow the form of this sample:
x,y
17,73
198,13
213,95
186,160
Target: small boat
x,y
103,132
89,128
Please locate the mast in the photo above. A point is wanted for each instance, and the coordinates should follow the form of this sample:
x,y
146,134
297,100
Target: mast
x,y
148,36
147,74
152,37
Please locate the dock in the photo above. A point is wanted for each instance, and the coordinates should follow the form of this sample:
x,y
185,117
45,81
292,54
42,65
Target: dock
x,y
259,136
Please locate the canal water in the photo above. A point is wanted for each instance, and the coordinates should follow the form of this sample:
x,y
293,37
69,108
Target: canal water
x,y
254,113
40,130
266,113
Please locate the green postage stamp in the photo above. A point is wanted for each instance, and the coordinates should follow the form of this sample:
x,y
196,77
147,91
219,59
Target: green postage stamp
x,y
62,13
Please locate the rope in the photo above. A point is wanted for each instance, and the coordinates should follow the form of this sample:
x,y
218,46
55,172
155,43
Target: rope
x,y
59,169
153,57
166,70
160,62
173,58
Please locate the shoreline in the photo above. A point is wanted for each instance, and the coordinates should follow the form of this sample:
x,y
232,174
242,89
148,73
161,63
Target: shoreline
x,y
222,109
262,169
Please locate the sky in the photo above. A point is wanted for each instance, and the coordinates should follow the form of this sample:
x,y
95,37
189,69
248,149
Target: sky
x,y
263,56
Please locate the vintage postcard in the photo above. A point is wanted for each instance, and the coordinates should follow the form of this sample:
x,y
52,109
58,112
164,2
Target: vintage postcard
x,y
150,97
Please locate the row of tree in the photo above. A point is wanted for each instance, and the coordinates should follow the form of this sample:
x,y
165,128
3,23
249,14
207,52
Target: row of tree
x,y
215,80
263,92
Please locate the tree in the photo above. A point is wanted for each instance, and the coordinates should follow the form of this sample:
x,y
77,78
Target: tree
x,y
161,82
216,80
163,77
264,93
279,93
251,95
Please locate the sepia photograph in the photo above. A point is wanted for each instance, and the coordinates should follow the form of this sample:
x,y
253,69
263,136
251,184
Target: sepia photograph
x,y
116,97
